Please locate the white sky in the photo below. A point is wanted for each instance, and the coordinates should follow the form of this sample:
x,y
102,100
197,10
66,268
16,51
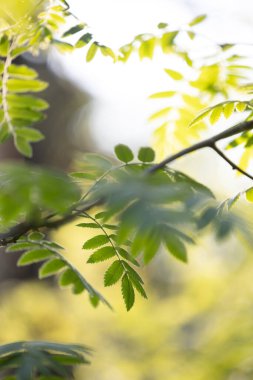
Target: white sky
x,y
120,91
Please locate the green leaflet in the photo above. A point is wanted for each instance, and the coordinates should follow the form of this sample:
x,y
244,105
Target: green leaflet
x,y
50,361
84,40
152,244
249,194
23,146
162,25
18,184
96,242
35,236
16,247
25,114
21,85
138,286
74,29
174,74
175,246
164,94
102,254
167,40
197,20
199,118
216,114
241,106
147,47
63,47
228,109
127,292
132,273
22,71
92,51
88,225
207,217
124,153
106,51
27,102
70,277
38,249
34,256
51,267
29,134
113,273
146,154
127,256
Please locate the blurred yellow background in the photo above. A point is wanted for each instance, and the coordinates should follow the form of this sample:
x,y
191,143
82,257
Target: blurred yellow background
x,y
196,325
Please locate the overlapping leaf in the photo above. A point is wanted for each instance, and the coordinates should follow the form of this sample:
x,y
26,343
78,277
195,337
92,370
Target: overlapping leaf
x,y
21,360
26,191
38,250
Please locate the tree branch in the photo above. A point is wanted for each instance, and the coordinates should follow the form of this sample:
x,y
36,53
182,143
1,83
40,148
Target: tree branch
x,y
22,228
208,143
17,231
231,163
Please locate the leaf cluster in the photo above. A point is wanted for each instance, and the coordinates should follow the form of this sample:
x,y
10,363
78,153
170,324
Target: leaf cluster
x,y
41,360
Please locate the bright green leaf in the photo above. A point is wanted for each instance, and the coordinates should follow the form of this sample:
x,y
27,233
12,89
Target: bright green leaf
x,y
34,256
96,242
124,153
127,292
102,254
113,273
51,267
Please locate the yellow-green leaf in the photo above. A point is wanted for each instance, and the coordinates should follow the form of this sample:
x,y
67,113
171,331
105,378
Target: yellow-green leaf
x,y
228,109
216,114
249,194
92,51
174,74
241,106
197,20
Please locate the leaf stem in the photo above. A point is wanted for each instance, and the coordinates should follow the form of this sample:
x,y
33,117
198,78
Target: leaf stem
x,y
17,231
5,78
109,239
231,163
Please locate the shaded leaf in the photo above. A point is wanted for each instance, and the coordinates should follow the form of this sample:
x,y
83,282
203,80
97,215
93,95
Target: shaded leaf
x,y
146,154
175,247
124,153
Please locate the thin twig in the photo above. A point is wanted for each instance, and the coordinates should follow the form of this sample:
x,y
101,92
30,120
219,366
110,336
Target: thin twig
x,y
208,143
22,228
231,163
16,232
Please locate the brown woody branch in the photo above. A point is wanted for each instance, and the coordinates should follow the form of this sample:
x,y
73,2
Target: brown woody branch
x,y
16,232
